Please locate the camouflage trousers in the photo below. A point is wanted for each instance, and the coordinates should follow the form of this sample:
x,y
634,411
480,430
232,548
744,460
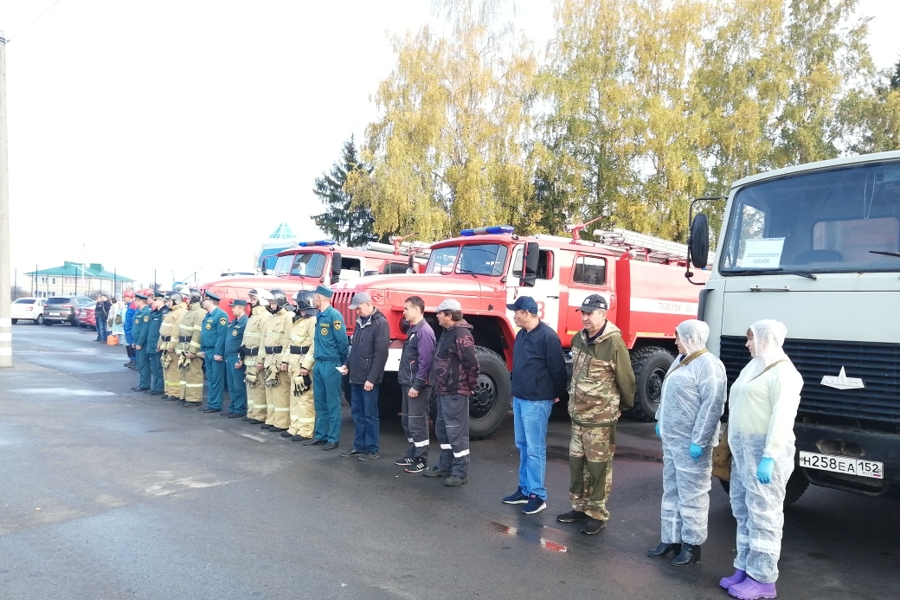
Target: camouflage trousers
x,y
591,452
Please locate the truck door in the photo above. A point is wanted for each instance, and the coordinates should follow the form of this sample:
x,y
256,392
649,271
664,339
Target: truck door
x,y
588,276
546,287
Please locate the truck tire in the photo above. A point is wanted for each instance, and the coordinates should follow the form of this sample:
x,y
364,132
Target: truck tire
x,y
650,365
796,485
493,394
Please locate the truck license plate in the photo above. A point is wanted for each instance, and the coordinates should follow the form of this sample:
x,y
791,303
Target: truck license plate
x,y
842,464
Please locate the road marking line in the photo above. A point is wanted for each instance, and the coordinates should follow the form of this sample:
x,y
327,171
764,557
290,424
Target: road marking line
x,y
253,437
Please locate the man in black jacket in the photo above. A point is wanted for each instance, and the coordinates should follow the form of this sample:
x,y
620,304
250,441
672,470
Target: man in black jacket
x,y
415,365
368,355
101,314
454,376
538,381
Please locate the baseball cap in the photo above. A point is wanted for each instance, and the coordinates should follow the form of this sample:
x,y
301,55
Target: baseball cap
x,y
449,304
359,298
592,303
524,303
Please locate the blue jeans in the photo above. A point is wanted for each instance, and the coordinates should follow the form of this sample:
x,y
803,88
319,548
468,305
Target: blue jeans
x,y
530,421
364,410
102,332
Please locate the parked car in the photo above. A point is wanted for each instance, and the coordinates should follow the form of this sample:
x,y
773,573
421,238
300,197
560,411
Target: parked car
x,y
87,318
64,309
28,309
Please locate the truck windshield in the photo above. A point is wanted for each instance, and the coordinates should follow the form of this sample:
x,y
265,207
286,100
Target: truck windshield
x,y
475,259
845,219
308,264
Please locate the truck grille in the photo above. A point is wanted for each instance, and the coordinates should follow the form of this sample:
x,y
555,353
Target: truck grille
x,y
878,365
341,302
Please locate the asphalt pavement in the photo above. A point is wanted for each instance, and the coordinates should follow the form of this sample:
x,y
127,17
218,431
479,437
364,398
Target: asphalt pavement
x,y
112,494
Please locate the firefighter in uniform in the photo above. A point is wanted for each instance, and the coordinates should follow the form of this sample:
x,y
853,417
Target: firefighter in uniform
x,y
139,335
253,377
157,313
168,339
331,351
273,356
234,361
212,351
190,364
303,331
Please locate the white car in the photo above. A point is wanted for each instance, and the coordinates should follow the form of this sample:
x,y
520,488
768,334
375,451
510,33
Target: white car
x,y
28,309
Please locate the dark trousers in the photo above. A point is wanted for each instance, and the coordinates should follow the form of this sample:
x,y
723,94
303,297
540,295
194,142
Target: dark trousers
x,y
215,379
364,410
327,399
143,367
452,430
237,389
156,372
414,417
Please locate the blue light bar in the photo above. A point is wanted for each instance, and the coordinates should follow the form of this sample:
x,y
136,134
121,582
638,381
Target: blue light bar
x,y
317,243
493,229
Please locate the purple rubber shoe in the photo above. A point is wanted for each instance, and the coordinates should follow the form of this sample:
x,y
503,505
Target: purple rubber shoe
x,y
751,589
738,577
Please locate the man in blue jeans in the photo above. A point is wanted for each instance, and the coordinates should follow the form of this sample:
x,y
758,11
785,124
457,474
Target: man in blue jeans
x,y
368,355
538,381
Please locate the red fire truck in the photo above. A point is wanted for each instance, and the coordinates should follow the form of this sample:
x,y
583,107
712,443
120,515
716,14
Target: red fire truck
x,y
308,264
642,278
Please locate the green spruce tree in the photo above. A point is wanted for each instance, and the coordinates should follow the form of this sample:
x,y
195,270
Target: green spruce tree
x,y
347,222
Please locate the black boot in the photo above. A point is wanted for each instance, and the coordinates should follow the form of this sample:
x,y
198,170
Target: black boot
x,y
664,549
689,554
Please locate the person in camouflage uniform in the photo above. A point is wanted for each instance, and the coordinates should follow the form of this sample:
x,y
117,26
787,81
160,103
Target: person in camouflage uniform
x,y
602,382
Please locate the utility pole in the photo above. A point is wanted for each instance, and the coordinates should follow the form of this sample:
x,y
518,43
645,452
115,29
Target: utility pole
x,y
5,320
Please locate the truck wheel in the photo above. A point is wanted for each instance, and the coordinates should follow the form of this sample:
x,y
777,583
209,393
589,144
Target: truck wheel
x,y
796,485
650,365
489,403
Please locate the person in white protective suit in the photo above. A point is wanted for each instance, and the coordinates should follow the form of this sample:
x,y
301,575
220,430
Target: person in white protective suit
x,y
762,408
691,404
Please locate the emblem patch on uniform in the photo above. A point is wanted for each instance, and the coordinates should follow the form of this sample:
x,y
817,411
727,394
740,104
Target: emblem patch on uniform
x,y
223,321
234,332
324,331
208,326
337,325
136,320
146,319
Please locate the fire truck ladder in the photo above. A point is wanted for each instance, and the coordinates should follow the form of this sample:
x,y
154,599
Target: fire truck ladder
x,y
655,249
419,249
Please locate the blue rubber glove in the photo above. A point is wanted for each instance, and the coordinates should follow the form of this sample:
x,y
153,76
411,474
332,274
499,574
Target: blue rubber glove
x,y
657,429
696,451
764,470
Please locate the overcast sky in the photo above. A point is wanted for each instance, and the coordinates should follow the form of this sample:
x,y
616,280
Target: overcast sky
x,y
177,134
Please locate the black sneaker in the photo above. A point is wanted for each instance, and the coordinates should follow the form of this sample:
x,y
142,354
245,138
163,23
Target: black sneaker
x,y
592,526
516,498
435,472
416,467
533,506
351,452
369,456
403,462
454,481
573,516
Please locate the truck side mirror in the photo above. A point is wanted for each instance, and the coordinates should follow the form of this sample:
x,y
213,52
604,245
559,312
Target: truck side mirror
x,y
411,263
530,264
335,267
698,242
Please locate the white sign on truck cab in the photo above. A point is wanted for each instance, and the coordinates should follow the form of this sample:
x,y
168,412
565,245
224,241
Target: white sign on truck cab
x,y
817,247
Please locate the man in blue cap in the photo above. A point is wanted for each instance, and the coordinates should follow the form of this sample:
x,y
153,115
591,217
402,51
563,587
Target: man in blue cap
x,y
139,323
332,347
151,344
538,381
212,351
234,360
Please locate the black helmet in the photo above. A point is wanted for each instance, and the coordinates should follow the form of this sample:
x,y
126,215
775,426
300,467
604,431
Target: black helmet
x,y
279,297
304,301
196,295
176,297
